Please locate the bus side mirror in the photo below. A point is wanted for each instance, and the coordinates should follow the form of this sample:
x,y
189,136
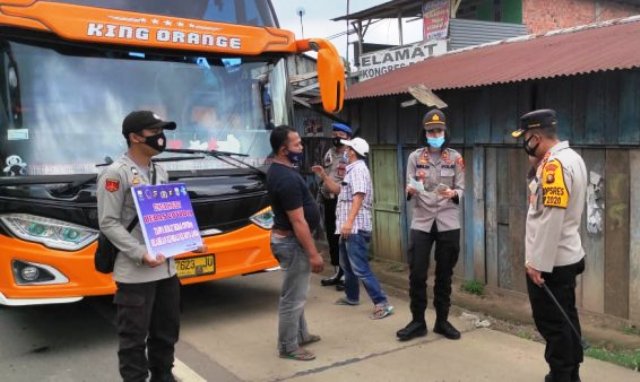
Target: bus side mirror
x,y
330,72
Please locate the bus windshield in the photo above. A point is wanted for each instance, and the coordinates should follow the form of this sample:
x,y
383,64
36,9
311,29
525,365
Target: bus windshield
x,y
61,107
243,12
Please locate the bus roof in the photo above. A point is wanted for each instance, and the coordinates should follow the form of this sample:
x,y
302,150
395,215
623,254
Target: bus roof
x,y
85,22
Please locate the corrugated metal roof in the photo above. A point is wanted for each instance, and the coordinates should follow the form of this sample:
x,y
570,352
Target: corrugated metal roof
x,y
390,9
464,33
599,47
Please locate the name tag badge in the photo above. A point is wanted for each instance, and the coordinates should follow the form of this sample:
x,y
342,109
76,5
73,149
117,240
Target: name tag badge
x,y
447,172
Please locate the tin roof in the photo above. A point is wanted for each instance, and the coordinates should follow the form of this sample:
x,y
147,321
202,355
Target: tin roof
x,y
611,45
390,9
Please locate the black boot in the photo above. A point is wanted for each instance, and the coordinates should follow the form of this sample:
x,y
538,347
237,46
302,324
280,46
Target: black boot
x,y
560,377
445,328
162,376
333,280
412,330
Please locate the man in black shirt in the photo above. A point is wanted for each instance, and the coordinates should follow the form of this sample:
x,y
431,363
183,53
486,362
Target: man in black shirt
x,y
296,215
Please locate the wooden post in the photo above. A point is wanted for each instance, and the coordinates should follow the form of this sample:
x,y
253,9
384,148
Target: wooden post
x,y
616,272
634,239
479,271
593,243
491,217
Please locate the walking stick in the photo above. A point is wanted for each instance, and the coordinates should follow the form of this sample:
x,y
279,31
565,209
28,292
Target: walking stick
x,y
583,342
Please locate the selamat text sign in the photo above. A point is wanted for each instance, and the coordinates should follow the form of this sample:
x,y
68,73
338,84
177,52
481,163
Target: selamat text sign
x,y
383,61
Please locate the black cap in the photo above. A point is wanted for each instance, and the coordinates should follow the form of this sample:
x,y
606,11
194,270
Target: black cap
x,y
139,120
434,119
537,119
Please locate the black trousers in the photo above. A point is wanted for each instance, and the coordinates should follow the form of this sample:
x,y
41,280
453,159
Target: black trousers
x,y
148,319
330,227
446,257
563,352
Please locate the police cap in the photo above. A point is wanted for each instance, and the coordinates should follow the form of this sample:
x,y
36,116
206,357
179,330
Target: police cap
x,y
434,119
537,119
342,127
139,120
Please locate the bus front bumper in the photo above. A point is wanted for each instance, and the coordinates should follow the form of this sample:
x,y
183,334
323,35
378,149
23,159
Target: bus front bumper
x,y
240,252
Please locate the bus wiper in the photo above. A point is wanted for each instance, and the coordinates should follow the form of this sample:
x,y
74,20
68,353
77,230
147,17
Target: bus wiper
x,y
75,184
225,156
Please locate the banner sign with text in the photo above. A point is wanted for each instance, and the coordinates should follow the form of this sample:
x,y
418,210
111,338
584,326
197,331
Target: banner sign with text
x,y
166,216
435,19
380,62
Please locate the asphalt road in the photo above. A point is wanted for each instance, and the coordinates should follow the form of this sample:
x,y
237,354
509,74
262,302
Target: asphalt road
x,y
229,334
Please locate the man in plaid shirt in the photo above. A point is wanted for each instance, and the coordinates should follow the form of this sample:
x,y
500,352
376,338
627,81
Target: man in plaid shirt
x,y
353,224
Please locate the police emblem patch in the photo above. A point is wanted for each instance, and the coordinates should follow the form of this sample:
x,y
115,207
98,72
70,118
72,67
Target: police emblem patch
x,y
112,185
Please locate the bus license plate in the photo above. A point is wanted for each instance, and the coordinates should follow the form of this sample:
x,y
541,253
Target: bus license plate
x,y
196,266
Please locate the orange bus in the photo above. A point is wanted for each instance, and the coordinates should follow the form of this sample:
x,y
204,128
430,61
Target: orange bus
x,y
70,70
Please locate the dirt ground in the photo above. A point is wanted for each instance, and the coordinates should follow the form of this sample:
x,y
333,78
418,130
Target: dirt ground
x,y
510,311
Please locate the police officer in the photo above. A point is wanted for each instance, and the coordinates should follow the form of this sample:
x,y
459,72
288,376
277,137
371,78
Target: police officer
x,y
334,165
435,182
553,250
148,290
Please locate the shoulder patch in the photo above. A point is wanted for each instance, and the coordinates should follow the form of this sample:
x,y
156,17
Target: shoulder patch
x,y
554,190
460,163
112,185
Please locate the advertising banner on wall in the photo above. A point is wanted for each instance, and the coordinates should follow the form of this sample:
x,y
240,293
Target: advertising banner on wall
x,y
435,15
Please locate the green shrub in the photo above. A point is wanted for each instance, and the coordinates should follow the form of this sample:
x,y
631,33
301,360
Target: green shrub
x,y
473,287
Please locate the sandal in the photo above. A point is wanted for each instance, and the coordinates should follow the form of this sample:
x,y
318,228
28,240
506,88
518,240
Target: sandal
x,y
346,301
312,338
300,354
381,311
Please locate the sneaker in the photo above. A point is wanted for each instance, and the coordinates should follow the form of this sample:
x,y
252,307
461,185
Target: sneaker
x,y
446,329
381,311
346,301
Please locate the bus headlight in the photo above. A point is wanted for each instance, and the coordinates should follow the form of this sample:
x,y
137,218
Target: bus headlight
x,y
263,218
51,232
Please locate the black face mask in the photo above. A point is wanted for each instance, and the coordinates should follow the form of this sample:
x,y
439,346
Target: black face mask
x,y
337,143
157,142
530,150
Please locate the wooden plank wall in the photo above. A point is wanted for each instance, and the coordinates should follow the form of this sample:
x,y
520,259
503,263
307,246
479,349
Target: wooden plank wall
x,y
505,279
468,255
478,193
634,239
600,115
491,217
593,277
616,266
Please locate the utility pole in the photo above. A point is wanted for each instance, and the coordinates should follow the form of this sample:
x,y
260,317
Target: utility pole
x,y
348,1
300,12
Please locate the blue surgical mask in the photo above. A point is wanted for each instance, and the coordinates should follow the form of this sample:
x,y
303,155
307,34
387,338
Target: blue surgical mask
x,y
295,158
345,156
436,143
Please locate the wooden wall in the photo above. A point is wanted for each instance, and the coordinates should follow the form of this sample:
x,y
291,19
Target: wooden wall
x,y
598,113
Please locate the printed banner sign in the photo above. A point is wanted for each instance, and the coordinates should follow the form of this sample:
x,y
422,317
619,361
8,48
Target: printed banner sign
x,y
435,20
168,223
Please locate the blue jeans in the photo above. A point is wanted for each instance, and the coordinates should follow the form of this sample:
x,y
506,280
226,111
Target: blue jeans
x,y
292,327
354,260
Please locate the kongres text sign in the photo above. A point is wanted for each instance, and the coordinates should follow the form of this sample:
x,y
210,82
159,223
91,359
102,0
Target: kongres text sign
x,y
383,61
